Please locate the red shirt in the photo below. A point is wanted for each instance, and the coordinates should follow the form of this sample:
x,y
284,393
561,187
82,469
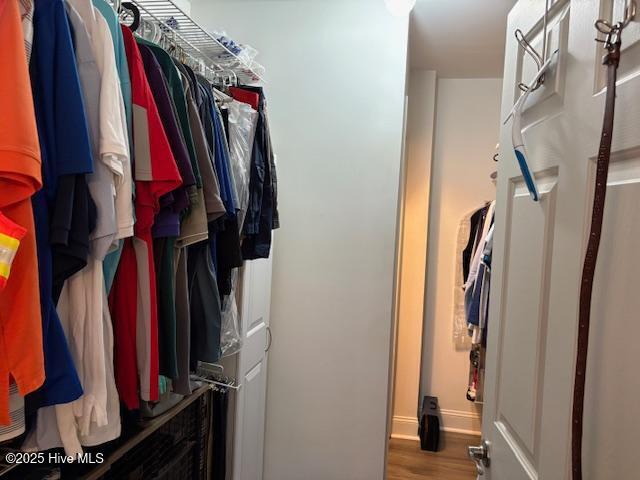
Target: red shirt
x,y
245,96
155,173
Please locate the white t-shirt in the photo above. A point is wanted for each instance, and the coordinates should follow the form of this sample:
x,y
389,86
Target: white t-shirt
x,y
114,140
83,310
69,427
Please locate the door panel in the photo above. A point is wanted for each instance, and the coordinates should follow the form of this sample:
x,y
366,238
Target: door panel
x,y
522,343
252,368
539,250
253,428
612,389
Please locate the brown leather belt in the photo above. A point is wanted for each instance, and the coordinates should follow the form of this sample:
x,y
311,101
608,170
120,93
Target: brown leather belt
x,y
611,60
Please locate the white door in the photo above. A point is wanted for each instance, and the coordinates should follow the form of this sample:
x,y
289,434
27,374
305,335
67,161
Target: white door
x,y
252,371
538,255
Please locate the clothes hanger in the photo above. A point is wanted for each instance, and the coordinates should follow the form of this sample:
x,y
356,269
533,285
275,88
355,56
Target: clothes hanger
x,y
213,374
146,30
135,12
221,96
219,78
156,32
233,81
516,130
494,175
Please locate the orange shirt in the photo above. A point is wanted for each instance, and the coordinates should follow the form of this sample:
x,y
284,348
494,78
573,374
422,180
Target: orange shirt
x,y
21,354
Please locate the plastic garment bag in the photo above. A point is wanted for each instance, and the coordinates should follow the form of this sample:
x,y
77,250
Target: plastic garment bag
x,y
242,128
242,125
230,336
461,338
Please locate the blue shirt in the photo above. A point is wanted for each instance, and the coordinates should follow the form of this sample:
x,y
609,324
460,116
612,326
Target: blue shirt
x,y
214,130
221,162
66,157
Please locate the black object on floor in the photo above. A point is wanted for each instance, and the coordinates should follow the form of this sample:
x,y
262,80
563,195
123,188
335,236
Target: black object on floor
x,y
429,430
219,427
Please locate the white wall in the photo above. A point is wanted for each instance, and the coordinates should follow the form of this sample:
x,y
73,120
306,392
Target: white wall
x,y
419,148
336,84
466,132
185,5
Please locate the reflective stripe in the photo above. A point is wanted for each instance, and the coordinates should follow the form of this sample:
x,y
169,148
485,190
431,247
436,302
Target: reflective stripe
x,y
8,249
4,269
9,242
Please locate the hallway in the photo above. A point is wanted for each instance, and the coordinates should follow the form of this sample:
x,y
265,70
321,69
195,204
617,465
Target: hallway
x,y
407,462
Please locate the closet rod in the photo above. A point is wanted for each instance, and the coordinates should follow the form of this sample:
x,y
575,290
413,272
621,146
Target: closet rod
x,y
195,40
178,52
221,384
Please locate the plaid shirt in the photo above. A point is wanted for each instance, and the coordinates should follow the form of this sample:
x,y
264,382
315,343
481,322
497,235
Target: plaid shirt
x,y
26,10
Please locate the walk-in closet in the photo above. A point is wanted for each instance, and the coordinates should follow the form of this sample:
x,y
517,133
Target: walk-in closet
x,y
319,239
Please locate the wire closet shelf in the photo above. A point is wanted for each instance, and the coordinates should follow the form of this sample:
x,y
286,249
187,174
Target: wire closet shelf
x,y
195,40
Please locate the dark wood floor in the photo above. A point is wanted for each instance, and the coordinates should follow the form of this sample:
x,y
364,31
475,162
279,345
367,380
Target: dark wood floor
x,y
408,462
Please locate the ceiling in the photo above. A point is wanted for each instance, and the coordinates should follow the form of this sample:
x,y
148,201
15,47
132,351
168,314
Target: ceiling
x,y
459,38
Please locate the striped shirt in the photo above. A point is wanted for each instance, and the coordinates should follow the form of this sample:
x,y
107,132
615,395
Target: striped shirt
x,y
26,12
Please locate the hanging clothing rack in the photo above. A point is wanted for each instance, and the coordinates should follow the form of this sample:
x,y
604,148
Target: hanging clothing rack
x,y
213,374
151,31
194,40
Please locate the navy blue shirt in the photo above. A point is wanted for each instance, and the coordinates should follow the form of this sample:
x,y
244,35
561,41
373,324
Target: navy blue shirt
x,y
66,158
262,212
224,232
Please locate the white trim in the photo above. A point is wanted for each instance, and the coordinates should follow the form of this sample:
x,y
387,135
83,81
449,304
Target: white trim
x,y
460,421
453,421
399,436
459,413
461,430
404,428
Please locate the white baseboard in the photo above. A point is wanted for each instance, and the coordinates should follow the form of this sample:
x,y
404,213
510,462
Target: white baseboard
x,y
454,421
404,428
459,421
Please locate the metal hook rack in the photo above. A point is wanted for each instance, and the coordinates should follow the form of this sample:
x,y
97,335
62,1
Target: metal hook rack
x,y
166,39
538,58
213,374
612,30
195,40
